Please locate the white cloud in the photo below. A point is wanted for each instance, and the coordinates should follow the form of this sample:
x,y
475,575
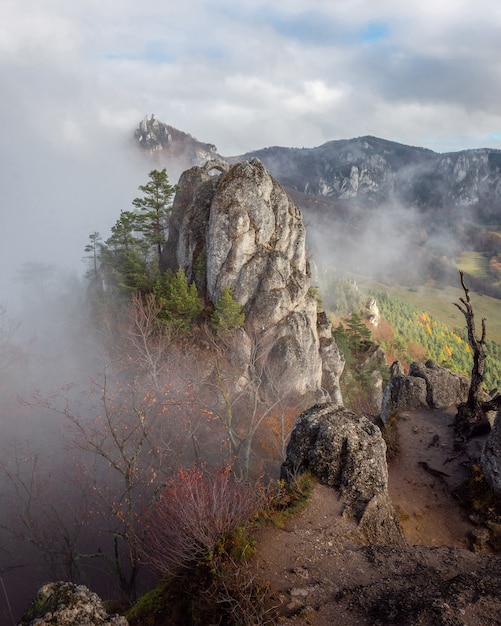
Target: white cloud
x,y
78,76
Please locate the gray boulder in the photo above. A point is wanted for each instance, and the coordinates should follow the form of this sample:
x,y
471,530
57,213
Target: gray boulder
x,y
347,452
490,459
236,227
67,604
403,393
443,388
428,386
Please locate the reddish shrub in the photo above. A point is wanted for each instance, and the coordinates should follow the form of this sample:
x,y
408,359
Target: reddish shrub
x,y
193,511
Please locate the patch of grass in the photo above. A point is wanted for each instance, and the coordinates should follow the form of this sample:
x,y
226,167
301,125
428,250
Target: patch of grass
x,y
239,545
151,609
288,499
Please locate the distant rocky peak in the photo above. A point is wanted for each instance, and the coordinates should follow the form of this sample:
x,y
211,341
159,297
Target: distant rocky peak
x,y
154,136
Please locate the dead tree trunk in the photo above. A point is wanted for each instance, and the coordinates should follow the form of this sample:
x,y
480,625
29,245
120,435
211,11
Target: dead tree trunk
x,y
471,413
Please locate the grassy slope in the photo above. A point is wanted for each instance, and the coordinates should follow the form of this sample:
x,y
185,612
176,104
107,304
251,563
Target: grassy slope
x,y
474,263
439,302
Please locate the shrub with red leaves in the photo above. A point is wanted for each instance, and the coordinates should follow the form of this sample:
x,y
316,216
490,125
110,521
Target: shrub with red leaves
x,y
194,510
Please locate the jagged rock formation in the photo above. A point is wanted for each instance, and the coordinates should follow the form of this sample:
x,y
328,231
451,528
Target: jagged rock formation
x,y
490,460
67,604
236,227
155,136
426,386
347,452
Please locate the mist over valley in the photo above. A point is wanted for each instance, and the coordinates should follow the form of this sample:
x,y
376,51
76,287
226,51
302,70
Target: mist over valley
x,y
82,373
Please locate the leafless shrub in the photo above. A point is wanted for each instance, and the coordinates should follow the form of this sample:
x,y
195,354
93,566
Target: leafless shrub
x,y
243,598
193,512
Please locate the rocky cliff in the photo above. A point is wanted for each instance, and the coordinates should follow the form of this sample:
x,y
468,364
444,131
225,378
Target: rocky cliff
x,y
176,146
426,386
372,198
236,227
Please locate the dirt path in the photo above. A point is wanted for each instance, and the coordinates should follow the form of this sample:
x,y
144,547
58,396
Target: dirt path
x,y
322,574
423,495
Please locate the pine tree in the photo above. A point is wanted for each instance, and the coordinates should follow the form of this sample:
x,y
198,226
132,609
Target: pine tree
x,y
124,254
179,300
228,314
154,209
94,248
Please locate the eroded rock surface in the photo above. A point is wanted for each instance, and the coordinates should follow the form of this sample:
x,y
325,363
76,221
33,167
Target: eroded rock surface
x,y
426,386
236,227
67,604
347,452
491,457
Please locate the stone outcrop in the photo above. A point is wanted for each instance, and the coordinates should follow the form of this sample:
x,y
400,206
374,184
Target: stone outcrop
x,y
347,452
176,146
490,460
67,604
427,386
236,227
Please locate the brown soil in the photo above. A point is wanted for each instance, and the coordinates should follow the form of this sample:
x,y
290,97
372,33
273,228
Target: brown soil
x,y
425,499
321,573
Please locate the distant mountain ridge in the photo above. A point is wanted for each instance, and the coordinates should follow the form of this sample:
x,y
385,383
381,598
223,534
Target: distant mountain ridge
x,y
375,171
367,169
375,207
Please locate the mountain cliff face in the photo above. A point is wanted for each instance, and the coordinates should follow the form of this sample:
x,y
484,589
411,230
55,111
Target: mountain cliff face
x,y
396,213
236,227
376,171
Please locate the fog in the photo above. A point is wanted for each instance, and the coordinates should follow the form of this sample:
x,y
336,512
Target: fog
x,y
62,178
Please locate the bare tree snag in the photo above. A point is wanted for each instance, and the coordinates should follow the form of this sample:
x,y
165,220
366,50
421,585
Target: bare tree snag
x,y
471,413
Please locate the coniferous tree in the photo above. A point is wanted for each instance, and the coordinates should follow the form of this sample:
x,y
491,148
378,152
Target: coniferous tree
x,y
228,314
93,248
154,209
124,254
178,298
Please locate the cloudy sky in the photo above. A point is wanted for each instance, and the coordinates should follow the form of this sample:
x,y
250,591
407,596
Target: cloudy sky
x,y
76,77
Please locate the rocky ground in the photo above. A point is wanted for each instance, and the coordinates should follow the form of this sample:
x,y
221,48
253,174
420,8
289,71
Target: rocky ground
x,y
321,573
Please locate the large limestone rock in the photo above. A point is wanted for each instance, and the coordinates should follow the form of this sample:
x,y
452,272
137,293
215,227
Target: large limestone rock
x,y
427,386
443,388
347,452
490,460
236,227
67,604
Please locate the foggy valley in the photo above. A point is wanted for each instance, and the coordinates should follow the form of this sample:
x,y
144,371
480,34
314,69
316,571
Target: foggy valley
x,y
102,405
